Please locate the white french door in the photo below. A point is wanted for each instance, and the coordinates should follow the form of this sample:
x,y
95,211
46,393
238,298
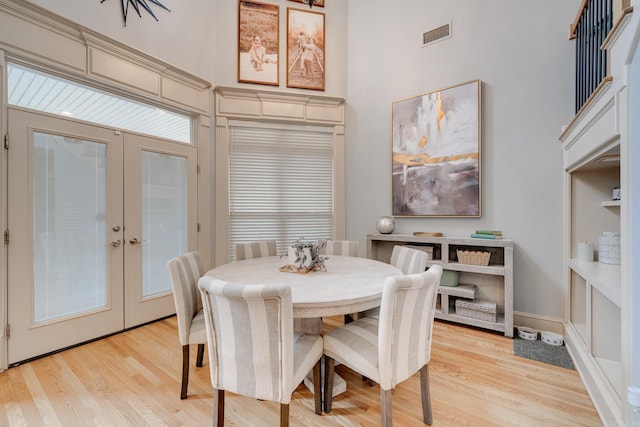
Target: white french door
x,y
160,205
93,215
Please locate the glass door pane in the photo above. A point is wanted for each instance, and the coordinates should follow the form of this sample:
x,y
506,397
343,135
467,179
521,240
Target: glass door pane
x,y
70,232
164,218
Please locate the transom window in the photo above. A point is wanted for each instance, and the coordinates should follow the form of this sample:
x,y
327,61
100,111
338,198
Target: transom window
x,y
39,91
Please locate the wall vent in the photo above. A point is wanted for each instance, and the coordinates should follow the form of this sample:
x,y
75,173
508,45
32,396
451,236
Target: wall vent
x,y
436,35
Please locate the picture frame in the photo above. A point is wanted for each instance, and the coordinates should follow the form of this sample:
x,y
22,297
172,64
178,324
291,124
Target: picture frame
x,y
258,43
319,3
305,49
436,148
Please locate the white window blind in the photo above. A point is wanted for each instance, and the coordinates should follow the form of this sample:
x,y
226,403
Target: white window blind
x,y
280,183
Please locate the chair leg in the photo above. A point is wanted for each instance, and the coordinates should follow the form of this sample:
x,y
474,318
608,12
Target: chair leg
x,y
185,371
317,387
328,383
200,355
218,407
284,415
385,407
426,395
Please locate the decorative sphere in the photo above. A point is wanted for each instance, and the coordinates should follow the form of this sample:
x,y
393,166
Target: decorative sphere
x,y
386,224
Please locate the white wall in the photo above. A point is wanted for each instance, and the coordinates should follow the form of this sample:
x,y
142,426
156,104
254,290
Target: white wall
x,y
521,53
183,37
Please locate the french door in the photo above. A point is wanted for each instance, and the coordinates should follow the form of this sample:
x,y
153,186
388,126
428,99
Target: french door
x,y
93,216
160,202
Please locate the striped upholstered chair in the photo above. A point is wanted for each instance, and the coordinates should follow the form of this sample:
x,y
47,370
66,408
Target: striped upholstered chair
x,y
409,261
257,249
341,247
392,348
253,350
185,270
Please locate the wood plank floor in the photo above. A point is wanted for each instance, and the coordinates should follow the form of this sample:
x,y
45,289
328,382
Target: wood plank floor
x,y
133,379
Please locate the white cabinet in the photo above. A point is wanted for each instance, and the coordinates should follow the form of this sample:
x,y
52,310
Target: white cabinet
x,y
492,283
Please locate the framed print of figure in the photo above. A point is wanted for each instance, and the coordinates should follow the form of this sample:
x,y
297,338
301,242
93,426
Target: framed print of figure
x,y
319,3
305,49
258,43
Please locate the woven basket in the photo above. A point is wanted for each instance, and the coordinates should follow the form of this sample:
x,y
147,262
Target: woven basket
x,y
473,257
477,309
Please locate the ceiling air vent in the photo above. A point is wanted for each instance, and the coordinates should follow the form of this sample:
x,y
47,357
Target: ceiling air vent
x,y
435,35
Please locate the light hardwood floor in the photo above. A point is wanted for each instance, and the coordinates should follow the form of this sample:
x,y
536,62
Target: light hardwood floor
x,y
133,379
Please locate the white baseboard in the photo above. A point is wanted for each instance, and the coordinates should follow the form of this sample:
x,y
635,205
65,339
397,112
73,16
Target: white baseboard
x,y
540,323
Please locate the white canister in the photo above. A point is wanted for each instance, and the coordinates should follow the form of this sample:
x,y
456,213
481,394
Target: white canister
x,y
585,251
609,247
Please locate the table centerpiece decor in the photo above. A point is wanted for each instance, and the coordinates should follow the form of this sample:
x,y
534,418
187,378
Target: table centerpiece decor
x,y
304,257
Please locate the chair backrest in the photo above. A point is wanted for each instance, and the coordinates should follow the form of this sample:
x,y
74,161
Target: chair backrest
x,y
250,338
405,327
408,260
341,247
257,249
184,271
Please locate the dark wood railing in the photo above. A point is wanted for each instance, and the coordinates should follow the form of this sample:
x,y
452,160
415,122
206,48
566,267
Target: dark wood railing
x,y
590,29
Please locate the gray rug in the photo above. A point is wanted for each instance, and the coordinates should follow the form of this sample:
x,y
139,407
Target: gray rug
x,y
538,350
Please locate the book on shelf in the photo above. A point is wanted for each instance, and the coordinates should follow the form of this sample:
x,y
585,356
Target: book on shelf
x,y
487,234
483,236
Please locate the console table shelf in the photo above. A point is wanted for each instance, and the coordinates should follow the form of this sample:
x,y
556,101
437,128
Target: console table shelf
x,y
493,282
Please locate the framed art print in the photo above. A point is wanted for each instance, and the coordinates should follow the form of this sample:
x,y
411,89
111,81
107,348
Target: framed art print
x,y
436,153
305,49
319,3
258,43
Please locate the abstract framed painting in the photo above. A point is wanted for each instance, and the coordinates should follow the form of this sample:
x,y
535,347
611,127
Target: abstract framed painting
x,y
258,42
305,49
436,147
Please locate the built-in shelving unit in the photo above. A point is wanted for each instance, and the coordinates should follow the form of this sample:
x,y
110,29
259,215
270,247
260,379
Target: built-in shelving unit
x,y
493,282
593,330
597,309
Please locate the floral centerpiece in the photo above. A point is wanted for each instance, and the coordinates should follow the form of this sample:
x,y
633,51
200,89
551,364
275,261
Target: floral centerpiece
x,y
304,256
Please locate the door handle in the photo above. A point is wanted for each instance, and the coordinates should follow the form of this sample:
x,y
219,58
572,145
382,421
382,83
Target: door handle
x,y
116,243
134,241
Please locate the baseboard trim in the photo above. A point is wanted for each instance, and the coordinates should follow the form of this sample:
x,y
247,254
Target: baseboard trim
x,y
541,323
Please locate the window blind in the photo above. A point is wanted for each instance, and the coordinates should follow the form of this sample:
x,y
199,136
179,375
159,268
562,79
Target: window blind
x,y
280,183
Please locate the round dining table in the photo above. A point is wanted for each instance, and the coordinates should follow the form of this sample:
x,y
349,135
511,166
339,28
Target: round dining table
x,y
349,284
